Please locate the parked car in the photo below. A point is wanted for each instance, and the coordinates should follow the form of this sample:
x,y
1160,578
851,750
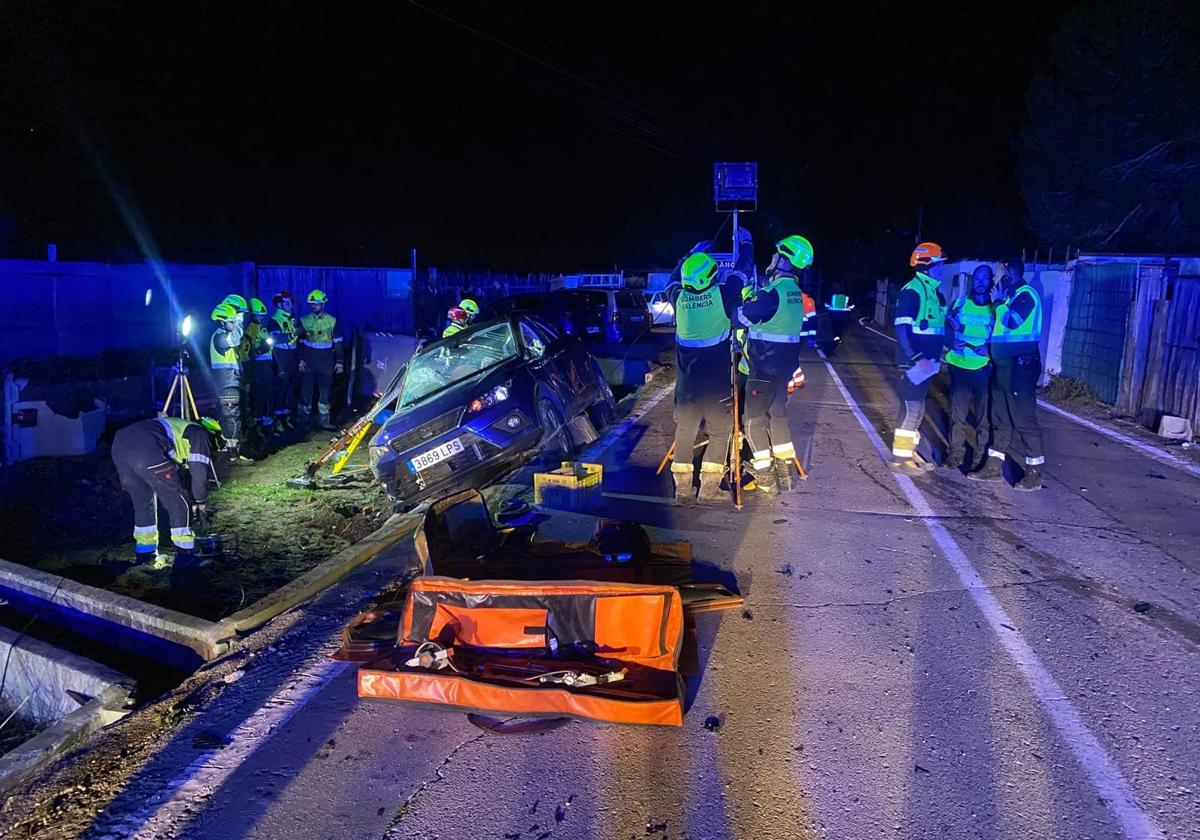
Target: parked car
x,y
483,401
571,313
593,315
662,307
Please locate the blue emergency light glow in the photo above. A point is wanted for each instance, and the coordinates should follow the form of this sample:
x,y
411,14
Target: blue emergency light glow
x,y
185,328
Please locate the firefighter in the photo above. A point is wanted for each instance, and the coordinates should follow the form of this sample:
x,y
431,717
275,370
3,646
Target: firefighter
x,y
227,375
969,329
1017,358
471,308
839,308
150,456
457,320
703,314
320,358
263,365
775,318
282,330
920,326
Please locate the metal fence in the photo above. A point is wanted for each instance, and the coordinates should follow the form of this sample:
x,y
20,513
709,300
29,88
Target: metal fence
x,y
1094,342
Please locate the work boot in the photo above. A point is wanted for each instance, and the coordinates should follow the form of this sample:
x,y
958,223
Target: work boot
x,y
324,424
1031,481
685,490
954,461
911,466
710,487
190,560
765,479
992,470
234,456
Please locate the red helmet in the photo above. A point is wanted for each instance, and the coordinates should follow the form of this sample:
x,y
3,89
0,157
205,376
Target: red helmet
x,y
458,315
927,253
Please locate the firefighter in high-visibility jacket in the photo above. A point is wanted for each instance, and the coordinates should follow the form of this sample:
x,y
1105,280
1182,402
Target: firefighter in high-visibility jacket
x,y
703,382
150,456
1017,358
227,375
920,326
262,383
284,335
776,326
320,358
968,332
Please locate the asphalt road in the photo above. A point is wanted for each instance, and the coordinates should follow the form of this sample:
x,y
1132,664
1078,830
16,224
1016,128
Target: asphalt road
x,y
933,658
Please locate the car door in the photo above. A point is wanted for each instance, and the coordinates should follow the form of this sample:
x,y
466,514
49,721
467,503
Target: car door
x,y
548,362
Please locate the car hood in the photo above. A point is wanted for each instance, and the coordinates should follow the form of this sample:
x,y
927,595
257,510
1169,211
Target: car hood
x,y
456,396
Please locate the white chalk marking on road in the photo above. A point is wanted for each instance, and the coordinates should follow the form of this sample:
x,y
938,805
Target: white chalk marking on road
x,y
598,447
877,332
1145,448
170,810
1103,773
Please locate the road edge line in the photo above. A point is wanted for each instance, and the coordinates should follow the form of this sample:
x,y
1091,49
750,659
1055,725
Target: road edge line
x,y
1105,776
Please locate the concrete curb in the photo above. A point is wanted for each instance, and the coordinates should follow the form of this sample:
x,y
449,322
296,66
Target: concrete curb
x,y
396,528
208,639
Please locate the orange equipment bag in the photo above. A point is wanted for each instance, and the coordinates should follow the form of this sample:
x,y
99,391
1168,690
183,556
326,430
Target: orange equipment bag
x,y
585,649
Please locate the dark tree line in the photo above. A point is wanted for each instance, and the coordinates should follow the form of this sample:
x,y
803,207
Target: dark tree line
x,y
1110,157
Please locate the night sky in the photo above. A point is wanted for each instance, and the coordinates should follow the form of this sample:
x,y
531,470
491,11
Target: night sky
x,y
526,135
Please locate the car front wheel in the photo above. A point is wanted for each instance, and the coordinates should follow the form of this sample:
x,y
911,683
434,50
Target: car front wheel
x,y
555,443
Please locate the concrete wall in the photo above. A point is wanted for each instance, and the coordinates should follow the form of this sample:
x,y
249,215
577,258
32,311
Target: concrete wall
x,y
40,675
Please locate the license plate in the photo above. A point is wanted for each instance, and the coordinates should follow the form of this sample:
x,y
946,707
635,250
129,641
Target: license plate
x,y
593,329
436,455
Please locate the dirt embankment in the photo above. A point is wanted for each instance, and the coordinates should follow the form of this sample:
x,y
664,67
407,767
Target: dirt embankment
x,y
70,516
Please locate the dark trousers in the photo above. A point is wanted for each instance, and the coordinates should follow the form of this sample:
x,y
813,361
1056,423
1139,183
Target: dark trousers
x,y
1015,429
969,390
317,377
264,390
766,418
149,479
717,419
230,402
287,381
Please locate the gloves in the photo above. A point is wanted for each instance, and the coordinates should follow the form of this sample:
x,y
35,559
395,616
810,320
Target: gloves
x,y
338,368
303,367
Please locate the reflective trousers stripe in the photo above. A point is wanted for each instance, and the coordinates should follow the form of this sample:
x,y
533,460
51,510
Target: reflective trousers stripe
x,y
904,443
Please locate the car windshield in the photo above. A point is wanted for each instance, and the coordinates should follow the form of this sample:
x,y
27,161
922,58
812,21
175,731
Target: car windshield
x,y
454,359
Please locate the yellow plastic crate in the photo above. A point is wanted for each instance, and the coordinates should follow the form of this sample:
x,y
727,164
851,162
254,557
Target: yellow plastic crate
x,y
573,486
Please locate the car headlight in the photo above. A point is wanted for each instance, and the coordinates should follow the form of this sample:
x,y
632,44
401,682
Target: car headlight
x,y
488,399
377,453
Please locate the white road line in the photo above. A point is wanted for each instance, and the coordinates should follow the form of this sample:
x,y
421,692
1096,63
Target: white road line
x,y
877,332
599,446
1104,775
1145,448
168,812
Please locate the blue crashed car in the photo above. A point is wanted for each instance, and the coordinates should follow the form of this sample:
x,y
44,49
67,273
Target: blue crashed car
x,y
483,401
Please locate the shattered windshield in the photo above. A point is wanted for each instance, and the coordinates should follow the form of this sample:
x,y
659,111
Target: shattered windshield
x,y
454,359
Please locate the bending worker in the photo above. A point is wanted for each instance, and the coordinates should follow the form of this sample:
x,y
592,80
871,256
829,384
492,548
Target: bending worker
x,y
227,375
703,382
775,318
969,325
1018,362
920,332
283,333
150,456
320,358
